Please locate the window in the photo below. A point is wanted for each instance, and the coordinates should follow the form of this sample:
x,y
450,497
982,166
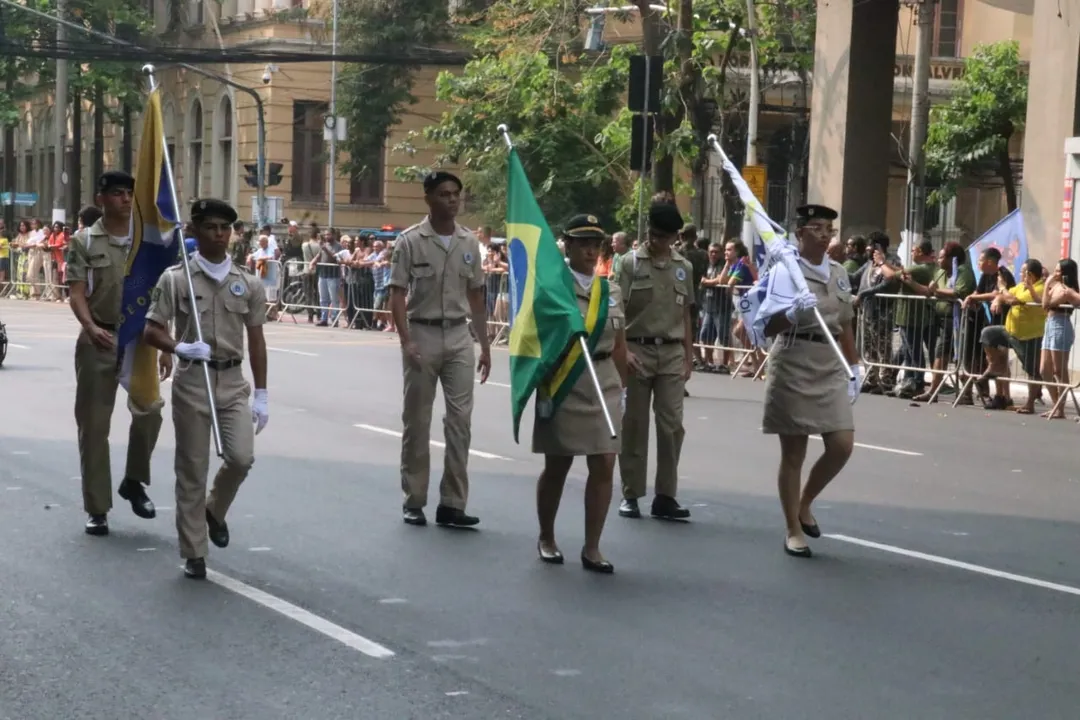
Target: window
x,y
947,29
224,128
195,145
367,189
309,159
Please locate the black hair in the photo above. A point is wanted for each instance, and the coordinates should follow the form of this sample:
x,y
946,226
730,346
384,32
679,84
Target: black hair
x,y
1034,267
879,239
993,253
926,247
859,242
1069,273
89,215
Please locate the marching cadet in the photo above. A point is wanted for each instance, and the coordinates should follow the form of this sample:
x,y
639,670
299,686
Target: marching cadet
x,y
436,281
96,265
229,301
658,286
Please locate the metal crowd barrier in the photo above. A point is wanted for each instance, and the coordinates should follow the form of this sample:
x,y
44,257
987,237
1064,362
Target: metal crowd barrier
x,y
33,275
721,316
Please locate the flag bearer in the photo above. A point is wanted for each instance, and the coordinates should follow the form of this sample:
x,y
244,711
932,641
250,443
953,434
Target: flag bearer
x,y
230,302
436,282
658,286
96,266
806,389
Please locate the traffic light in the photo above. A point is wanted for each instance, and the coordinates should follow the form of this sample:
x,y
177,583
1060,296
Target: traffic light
x,y
273,174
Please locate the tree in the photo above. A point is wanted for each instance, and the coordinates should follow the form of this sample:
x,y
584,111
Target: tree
x,y
372,97
970,135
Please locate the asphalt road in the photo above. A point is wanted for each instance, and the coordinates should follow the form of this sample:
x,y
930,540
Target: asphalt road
x,y
948,585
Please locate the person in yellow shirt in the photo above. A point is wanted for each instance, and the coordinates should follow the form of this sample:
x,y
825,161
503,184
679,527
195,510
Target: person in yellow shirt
x,y
1023,332
5,258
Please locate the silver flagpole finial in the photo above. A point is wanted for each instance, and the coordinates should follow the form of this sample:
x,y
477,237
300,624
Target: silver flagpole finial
x,y
712,138
505,132
148,69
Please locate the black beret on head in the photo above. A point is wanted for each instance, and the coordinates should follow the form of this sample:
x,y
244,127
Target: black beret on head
x,y
584,227
665,217
806,213
115,179
436,178
211,207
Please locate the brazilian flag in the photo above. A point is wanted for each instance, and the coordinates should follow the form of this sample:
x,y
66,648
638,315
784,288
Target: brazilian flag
x,y
545,322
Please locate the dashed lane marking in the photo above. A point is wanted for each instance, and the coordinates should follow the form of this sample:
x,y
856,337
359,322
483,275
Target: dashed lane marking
x,y
302,616
881,448
292,352
434,443
958,564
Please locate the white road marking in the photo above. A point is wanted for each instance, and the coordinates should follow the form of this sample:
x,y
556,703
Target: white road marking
x,y
258,549
958,564
293,352
456,643
15,488
881,448
20,452
18,347
308,619
145,549
497,384
393,601
434,443
566,672
456,693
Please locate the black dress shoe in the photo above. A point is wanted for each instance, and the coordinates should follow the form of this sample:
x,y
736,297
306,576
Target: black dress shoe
x,y
195,568
413,516
132,491
803,552
97,525
629,509
665,507
603,567
452,517
811,531
552,558
218,531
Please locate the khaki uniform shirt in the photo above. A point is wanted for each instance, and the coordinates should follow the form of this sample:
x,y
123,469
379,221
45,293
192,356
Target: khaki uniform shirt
x,y
656,294
225,309
437,277
95,258
833,301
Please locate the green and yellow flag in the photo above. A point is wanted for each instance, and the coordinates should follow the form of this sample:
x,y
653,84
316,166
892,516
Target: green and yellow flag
x,y
545,322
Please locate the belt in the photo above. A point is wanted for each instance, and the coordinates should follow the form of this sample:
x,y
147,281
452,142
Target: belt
x,y
443,323
809,337
654,341
597,357
111,327
224,364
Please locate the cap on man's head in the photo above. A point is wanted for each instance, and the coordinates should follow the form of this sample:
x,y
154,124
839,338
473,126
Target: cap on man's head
x,y
665,217
115,180
806,213
689,231
212,207
584,227
437,177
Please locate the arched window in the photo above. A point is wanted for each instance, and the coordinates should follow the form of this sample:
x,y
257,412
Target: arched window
x,y
193,176
224,156
168,116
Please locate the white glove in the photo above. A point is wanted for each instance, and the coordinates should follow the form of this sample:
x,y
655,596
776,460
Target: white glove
x,y
805,300
855,386
260,409
193,351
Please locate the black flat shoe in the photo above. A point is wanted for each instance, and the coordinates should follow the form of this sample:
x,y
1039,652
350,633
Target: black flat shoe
x,y
803,552
552,558
603,567
97,525
195,568
811,531
132,491
413,516
218,531
454,518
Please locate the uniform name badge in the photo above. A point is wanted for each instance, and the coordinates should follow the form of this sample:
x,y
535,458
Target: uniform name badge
x,y
237,289
544,407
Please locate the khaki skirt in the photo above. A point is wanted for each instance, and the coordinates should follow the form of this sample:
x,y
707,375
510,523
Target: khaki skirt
x,y
805,391
578,426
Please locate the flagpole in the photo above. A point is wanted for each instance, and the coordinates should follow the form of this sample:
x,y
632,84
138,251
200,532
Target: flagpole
x,y
149,71
585,353
796,274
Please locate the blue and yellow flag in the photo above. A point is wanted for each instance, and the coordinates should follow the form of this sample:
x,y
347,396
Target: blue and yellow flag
x,y
545,322
154,231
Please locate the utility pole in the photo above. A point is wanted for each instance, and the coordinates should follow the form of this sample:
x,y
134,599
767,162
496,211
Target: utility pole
x,y
920,120
59,213
752,116
333,124
9,181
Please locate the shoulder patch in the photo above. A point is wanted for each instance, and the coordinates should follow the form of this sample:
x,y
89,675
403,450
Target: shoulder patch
x,y
842,284
238,288
680,274
155,294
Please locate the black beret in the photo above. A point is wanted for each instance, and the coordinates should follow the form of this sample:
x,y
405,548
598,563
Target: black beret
x,y
665,217
815,212
437,177
211,207
115,179
584,227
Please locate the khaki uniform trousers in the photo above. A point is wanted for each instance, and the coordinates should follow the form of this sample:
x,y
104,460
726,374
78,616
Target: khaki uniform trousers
x,y
661,382
447,356
95,396
194,441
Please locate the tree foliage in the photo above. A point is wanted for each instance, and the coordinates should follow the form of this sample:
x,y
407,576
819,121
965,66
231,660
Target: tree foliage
x,y
970,135
19,28
372,97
